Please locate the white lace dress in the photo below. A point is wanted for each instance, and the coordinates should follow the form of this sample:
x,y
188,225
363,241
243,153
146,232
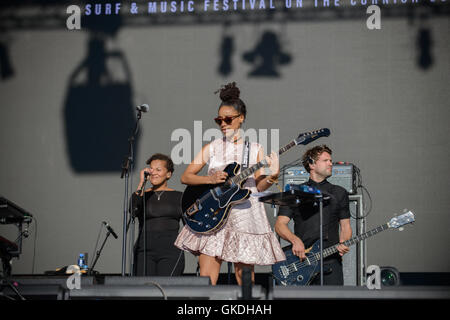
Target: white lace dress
x,y
247,236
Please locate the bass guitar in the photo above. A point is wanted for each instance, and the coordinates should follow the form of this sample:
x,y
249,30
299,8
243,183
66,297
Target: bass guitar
x,y
292,271
206,207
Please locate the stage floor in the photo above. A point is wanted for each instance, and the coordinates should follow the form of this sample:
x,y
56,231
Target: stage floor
x,y
108,287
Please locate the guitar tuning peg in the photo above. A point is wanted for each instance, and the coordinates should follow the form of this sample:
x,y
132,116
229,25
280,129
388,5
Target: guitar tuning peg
x,y
405,210
401,229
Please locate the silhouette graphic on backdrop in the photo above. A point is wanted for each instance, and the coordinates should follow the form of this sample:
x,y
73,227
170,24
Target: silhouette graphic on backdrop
x,y
6,68
267,56
424,44
99,111
226,52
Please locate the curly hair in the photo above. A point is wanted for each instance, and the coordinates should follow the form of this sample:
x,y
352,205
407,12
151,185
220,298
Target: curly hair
x,y
163,157
311,155
230,96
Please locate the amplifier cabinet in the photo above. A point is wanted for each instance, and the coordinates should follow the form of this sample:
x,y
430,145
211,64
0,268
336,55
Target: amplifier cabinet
x,y
343,175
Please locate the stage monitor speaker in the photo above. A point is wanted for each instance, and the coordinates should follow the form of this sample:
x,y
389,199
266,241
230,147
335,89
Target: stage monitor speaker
x,y
61,280
163,281
359,293
170,292
33,292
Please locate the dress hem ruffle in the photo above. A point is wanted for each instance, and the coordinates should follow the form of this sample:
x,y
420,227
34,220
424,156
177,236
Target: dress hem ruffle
x,y
232,246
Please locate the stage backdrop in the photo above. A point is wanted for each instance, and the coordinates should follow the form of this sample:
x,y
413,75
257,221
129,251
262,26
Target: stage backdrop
x,y
67,111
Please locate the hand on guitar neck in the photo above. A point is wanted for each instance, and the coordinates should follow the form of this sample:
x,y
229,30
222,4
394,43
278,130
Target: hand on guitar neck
x,y
342,249
274,165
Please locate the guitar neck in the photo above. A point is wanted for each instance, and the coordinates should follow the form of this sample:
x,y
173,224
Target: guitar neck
x,y
333,249
249,171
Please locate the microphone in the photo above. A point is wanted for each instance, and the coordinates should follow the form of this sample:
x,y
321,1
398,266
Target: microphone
x,y
146,175
143,107
108,227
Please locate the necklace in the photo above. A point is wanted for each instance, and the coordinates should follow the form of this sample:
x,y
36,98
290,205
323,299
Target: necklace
x,y
159,194
233,139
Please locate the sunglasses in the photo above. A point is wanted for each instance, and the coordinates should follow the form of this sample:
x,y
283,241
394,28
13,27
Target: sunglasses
x,y
227,120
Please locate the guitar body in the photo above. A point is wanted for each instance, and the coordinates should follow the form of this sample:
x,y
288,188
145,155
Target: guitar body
x,y
206,207
292,271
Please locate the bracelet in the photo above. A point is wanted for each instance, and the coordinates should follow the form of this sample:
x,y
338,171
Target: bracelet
x,y
270,180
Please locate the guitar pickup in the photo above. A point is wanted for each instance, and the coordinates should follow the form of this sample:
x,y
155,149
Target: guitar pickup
x,y
284,271
194,208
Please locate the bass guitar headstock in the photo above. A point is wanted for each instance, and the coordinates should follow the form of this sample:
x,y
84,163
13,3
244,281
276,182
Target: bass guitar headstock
x,y
308,137
399,221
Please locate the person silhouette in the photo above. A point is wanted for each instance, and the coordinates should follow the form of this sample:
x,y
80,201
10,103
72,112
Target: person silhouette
x,y
98,109
266,57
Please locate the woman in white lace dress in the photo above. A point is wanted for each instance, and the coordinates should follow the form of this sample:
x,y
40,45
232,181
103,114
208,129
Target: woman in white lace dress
x,y
247,238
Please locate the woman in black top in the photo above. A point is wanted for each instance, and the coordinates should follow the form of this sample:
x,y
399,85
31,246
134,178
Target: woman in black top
x,y
162,221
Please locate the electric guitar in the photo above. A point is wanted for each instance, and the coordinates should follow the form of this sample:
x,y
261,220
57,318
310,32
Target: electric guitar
x,y
206,207
292,271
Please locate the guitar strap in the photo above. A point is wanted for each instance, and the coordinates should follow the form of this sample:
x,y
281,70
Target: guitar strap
x,y
245,155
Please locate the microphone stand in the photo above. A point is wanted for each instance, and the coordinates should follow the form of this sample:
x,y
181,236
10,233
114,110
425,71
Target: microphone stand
x,y
97,255
320,198
132,253
132,218
144,229
127,167
132,221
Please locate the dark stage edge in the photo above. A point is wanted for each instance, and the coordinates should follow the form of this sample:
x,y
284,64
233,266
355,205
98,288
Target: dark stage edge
x,y
115,287
360,293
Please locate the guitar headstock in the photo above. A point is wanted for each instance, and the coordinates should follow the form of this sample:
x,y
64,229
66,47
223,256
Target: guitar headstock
x,y
401,220
308,137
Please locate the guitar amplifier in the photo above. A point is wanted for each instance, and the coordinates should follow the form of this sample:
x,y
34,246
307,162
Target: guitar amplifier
x,y
343,175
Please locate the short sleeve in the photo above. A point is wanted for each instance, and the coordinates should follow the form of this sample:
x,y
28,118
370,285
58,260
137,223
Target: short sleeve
x,y
344,206
285,211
